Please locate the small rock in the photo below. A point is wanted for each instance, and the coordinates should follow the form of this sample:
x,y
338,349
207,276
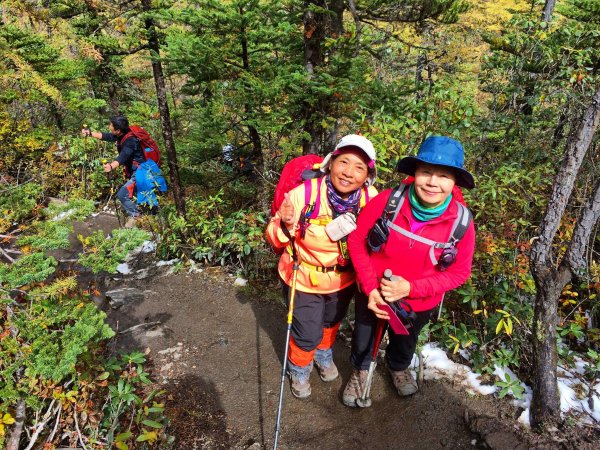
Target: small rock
x,y
240,282
120,297
123,269
255,446
141,274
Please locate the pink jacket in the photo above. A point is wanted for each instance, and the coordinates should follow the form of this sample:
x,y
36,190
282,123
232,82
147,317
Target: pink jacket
x,y
409,258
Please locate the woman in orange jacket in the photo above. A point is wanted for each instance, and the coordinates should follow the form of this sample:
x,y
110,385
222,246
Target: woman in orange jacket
x,y
326,279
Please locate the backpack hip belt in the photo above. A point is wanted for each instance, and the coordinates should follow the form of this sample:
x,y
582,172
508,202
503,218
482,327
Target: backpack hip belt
x,y
324,269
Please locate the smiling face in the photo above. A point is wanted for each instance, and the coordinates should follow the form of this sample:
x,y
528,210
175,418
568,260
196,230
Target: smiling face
x,y
433,184
349,171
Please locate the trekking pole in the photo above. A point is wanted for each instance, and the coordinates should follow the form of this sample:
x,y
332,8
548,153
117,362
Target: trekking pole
x,y
290,313
111,178
365,400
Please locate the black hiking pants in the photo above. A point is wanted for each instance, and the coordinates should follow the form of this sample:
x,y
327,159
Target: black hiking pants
x,y
401,348
313,312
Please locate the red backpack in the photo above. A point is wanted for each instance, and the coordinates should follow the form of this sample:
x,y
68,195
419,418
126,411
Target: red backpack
x,y
294,173
148,145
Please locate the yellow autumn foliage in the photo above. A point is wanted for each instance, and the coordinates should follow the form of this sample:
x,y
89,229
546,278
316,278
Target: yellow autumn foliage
x,y
29,75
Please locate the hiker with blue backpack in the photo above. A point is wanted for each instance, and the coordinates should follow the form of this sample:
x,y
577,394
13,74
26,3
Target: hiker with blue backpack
x,y
310,227
139,156
423,239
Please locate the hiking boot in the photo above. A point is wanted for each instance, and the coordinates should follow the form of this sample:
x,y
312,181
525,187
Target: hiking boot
x,y
327,373
300,387
354,389
299,379
404,382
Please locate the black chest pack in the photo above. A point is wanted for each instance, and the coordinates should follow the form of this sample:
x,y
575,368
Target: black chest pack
x,y
379,234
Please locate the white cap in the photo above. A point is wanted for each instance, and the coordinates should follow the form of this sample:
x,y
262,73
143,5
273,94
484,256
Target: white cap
x,y
360,142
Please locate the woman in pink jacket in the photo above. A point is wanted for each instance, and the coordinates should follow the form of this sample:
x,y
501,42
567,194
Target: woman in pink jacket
x,y
422,269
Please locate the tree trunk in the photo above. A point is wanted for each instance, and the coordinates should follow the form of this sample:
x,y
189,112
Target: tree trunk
x,y
545,405
257,155
314,34
548,9
563,185
163,107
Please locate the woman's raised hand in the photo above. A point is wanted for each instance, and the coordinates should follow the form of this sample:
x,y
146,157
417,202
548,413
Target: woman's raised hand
x,y
394,289
375,299
287,212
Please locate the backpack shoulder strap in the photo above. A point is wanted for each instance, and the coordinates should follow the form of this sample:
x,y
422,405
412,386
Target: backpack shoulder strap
x,y
395,202
461,224
364,197
312,196
125,137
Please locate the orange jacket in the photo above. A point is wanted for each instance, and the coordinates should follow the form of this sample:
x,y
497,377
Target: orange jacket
x,y
314,250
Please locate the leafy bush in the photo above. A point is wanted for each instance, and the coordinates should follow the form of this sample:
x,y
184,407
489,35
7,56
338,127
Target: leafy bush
x,y
75,209
53,233
17,203
48,235
215,236
105,253
28,269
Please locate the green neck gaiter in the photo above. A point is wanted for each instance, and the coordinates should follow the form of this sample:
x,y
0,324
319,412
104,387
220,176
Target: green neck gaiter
x,y
423,213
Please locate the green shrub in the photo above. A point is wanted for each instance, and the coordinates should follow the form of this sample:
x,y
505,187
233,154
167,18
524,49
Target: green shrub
x,y
17,203
28,269
105,253
49,235
213,235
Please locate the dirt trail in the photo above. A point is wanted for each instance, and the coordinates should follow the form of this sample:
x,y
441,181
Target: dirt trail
x,y
218,350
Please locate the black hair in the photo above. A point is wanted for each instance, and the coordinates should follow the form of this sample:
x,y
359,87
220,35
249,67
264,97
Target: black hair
x,y
120,123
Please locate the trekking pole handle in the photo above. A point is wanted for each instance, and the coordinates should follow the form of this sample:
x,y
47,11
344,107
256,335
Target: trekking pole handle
x,y
388,274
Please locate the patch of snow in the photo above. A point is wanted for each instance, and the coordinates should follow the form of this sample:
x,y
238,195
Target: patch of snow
x,y
167,263
63,215
194,267
148,247
124,269
437,365
240,282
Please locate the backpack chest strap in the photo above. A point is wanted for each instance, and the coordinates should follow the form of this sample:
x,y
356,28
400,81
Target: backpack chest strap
x,y
432,244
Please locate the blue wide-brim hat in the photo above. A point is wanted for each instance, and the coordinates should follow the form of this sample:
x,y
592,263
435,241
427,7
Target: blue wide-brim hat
x,y
440,151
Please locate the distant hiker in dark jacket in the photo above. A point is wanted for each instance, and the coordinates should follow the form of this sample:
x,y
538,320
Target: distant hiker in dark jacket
x,y
130,157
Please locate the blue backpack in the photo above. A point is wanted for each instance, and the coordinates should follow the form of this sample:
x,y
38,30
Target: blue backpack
x,y
148,180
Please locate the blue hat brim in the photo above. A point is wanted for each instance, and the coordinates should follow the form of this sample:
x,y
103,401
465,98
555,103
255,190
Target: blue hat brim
x,y
408,165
